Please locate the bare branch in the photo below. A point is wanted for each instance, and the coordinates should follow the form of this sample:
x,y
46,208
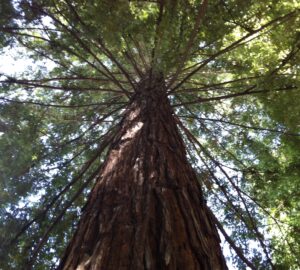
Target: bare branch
x,y
240,125
30,102
237,250
31,83
243,93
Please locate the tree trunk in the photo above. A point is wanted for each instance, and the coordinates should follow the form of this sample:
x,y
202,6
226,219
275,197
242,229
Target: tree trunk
x,y
147,210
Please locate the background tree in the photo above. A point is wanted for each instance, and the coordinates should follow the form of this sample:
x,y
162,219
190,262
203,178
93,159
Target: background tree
x,y
231,73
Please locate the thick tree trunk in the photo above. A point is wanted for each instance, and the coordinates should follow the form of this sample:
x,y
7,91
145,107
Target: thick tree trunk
x,y
147,210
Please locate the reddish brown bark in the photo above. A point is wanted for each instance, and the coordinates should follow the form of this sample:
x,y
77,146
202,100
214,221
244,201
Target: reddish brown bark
x,y
147,210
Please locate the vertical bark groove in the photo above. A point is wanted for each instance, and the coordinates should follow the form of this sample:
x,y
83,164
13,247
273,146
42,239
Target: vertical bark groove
x,y
147,210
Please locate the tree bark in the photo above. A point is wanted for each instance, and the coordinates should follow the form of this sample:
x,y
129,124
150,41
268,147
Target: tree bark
x,y
147,210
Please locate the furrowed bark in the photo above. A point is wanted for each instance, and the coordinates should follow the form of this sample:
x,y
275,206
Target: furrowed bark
x,y
147,210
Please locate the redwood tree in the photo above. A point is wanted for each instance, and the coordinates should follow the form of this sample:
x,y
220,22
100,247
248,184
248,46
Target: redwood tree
x,y
146,210
139,129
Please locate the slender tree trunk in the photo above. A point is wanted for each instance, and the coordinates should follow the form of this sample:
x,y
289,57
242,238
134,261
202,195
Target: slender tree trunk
x,y
147,210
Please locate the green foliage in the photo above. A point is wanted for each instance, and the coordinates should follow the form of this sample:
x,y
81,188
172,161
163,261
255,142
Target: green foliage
x,y
232,73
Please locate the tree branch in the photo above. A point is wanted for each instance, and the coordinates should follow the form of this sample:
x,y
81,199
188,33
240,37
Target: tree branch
x,y
237,250
234,45
243,93
200,15
240,125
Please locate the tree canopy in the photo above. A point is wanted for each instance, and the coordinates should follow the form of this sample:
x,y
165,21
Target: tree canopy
x,y
231,70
